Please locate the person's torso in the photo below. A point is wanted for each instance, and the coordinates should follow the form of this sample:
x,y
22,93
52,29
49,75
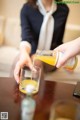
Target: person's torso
x,y
35,19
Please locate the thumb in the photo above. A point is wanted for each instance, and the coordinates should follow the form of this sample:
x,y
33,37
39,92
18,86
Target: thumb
x,y
32,67
59,48
62,60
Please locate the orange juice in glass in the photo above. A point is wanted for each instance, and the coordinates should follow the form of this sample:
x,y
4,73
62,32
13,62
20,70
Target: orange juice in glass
x,y
30,78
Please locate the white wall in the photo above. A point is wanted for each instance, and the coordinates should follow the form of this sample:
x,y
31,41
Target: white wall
x,y
10,8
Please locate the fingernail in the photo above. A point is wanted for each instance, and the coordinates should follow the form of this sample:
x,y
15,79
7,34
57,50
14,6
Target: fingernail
x,y
57,65
17,82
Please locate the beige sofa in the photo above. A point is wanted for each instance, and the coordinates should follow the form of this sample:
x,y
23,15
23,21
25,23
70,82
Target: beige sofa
x,y
9,43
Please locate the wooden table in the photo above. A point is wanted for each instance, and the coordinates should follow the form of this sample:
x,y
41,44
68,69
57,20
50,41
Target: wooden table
x,y
10,97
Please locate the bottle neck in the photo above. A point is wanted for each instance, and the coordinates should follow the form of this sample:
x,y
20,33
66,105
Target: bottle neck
x,y
29,95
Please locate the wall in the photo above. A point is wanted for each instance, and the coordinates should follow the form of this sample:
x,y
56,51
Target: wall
x,y
11,8
73,23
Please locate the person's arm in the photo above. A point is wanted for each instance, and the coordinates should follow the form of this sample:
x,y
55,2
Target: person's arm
x,y
24,60
69,49
25,45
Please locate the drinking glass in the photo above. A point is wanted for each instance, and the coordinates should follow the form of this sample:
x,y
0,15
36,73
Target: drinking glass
x,y
30,78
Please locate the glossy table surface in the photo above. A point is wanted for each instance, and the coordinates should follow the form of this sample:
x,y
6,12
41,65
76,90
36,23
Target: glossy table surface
x,y
49,92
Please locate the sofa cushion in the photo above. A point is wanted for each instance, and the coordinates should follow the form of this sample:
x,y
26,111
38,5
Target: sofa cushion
x,y
7,57
12,32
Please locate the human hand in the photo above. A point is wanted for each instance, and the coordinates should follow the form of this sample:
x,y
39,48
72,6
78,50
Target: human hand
x,y
69,50
24,60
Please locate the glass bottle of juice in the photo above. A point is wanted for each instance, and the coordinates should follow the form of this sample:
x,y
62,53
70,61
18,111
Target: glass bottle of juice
x,y
47,57
28,105
52,57
71,63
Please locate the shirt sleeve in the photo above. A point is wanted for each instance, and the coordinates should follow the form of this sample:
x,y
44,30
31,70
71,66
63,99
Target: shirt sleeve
x,y
26,33
26,30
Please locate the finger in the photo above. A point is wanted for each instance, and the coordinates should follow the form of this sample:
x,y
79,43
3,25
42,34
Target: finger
x,y
62,60
16,76
17,73
30,65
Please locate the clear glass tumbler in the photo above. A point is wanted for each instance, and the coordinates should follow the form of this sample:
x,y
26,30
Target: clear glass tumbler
x,y
30,78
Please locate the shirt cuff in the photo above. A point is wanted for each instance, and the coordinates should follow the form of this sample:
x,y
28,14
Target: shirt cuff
x,y
25,44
